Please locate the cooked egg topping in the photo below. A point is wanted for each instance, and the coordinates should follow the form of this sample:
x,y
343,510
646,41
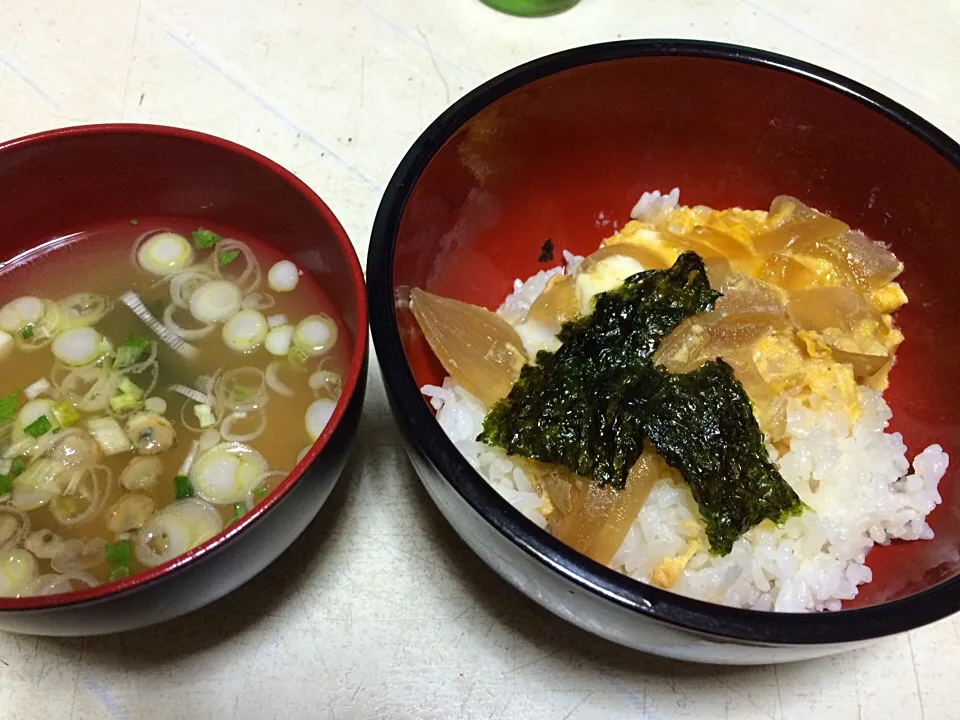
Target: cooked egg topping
x,y
807,306
666,573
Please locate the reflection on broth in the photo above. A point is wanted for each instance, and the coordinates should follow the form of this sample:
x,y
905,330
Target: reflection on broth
x,y
159,380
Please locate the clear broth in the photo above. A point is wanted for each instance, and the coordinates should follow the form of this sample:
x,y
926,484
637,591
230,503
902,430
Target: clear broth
x,y
100,260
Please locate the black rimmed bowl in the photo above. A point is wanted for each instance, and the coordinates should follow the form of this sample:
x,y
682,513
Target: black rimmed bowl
x,y
540,152
58,182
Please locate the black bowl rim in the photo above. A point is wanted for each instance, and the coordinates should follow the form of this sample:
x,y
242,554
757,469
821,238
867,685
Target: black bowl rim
x,y
721,622
356,375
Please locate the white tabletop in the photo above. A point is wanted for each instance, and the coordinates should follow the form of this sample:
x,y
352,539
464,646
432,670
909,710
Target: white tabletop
x,y
379,610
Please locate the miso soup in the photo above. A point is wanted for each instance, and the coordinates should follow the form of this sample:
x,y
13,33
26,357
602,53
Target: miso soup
x,y
157,381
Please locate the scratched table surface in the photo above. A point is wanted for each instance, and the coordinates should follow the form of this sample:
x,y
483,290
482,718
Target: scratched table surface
x,y
379,610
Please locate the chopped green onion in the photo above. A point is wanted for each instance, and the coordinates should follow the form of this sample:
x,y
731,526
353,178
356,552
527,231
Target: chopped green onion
x,y
6,485
205,415
119,553
183,488
66,507
40,426
65,413
109,435
297,357
128,387
260,493
131,351
8,406
125,357
125,402
228,256
17,466
134,221
241,393
239,509
118,573
27,331
203,238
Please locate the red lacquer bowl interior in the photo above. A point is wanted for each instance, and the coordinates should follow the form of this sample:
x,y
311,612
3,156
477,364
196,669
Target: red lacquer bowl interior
x,y
561,156
63,181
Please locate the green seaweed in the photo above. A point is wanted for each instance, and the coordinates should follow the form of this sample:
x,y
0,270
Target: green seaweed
x,y
702,424
566,408
590,405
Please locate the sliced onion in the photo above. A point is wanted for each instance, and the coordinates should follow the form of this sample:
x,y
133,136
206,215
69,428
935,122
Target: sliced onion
x,y
109,435
279,340
185,333
480,349
199,398
34,410
215,301
164,253
188,418
227,473
178,344
79,346
243,388
78,555
55,584
273,379
326,382
36,486
226,428
185,284
25,445
258,301
18,568
208,438
14,525
315,334
36,448
249,279
318,415
267,482
303,453
90,388
84,496
7,344
84,309
245,331
154,377
43,331
21,312
155,405
277,320
36,388
283,276
189,459
177,529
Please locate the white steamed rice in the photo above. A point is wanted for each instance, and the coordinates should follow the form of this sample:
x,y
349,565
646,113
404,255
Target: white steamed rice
x,y
855,478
